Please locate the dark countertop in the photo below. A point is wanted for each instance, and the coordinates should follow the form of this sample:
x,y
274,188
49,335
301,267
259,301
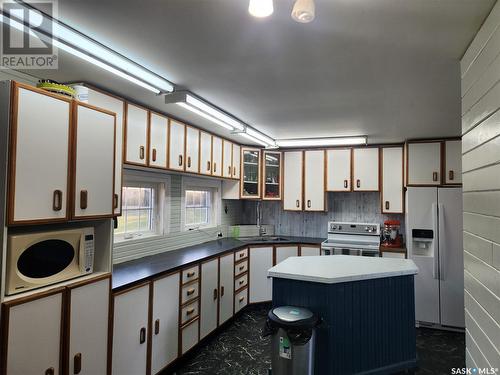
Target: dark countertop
x,y
137,270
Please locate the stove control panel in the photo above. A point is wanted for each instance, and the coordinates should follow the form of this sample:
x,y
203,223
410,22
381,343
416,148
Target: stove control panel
x,y
353,228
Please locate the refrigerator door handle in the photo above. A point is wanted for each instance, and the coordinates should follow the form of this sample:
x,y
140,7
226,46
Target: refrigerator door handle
x,y
435,263
441,240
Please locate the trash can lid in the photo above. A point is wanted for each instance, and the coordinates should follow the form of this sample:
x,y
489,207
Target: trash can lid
x,y
291,316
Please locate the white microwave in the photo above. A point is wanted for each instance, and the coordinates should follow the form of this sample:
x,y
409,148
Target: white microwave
x,y
36,260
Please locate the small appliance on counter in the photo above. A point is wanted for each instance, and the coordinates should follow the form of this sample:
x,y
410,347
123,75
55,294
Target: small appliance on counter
x,y
390,234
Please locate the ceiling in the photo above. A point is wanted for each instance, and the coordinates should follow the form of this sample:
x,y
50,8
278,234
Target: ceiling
x,y
388,69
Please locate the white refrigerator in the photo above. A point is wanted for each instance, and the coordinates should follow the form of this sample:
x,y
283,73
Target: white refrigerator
x,y
434,240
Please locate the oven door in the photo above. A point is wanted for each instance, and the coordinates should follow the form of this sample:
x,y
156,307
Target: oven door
x,y
330,250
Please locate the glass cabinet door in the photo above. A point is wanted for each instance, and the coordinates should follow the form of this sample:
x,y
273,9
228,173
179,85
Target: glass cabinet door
x,y
272,175
250,178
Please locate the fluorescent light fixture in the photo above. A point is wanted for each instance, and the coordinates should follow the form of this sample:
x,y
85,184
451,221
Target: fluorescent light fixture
x,y
261,137
253,139
83,47
202,108
261,8
311,142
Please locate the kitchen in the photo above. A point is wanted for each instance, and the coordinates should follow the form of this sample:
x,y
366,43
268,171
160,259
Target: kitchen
x,y
180,199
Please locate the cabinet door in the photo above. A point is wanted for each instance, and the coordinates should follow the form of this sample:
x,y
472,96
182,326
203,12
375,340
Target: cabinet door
x,y
206,153
284,252
88,324
216,156
453,160
176,147
236,161
209,296
292,180
227,153
94,162
165,322
424,163
38,183
307,251
158,140
365,167
338,170
261,259
136,135
130,324
392,180
250,185
272,175
34,335
226,287
192,149
314,183
117,106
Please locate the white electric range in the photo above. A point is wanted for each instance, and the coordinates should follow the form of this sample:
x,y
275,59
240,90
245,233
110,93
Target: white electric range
x,y
352,239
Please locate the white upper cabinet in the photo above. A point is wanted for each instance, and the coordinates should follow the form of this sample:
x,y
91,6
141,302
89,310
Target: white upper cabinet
x,y
453,161
209,296
192,149
39,161
365,169
158,140
226,287
205,153
94,162
136,134
338,170
250,173
236,161
392,179
292,180
424,163
176,146
227,165
116,105
314,183
216,156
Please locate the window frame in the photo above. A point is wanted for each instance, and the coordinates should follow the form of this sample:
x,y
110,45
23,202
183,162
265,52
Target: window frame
x,y
214,186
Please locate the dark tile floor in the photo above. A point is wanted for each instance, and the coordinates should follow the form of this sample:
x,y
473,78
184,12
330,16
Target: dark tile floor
x,y
240,350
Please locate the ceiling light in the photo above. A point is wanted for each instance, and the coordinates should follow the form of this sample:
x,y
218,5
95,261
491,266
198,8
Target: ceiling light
x,y
262,137
203,109
83,47
303,11
311,142
260,8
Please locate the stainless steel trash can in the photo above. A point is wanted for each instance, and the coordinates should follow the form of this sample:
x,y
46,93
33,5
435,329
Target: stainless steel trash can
x,y
292,331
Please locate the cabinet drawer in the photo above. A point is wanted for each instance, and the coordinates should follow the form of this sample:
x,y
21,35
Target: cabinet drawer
x,y
240,268
190,274
242,254
240,300
189,312
190,336
241,281
189,292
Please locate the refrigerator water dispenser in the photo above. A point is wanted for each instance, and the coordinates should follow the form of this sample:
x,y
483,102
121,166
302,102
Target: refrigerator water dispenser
x,y
422,242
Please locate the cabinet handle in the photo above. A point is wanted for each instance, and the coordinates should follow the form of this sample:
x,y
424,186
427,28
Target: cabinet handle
x,y
115,201
297,203
77,363
308,203
180,160
83,199
157,326
242,255
190,292
216,294
141,152
142,335
234,171
222,291
154,154
241,299
50,371
241,268
358,183
387,205
215,167
57,200
190,311
241,282
229,170
345,184
434,176
451,175
189,161
190,274
208,166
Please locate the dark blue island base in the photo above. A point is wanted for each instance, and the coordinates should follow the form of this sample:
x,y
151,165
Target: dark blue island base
x,y
368,325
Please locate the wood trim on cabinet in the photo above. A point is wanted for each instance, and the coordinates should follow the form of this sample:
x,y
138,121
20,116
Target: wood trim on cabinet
x,y
148,141
350,170
381,180
301,207
125,129
353,170
445,172
304,193
183,168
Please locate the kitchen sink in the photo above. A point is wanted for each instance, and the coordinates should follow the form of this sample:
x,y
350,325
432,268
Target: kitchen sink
x,y
264,239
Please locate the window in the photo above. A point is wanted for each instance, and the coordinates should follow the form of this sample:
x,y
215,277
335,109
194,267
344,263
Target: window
x,y
200,203
198,208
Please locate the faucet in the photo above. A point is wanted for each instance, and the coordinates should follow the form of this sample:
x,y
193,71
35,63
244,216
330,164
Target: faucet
x,y
258,208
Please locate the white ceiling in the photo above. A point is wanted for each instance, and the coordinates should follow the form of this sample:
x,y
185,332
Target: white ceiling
x,y
388,69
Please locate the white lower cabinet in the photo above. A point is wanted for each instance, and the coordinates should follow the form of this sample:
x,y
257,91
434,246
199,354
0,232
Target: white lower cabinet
x,y
165,322
284,252
88,325
130,323
190,335
209,296
33,336
306,251
261,259
226,289
240,300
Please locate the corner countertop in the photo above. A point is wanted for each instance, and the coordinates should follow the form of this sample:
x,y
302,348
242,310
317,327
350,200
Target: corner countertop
x,y
142,269
341,268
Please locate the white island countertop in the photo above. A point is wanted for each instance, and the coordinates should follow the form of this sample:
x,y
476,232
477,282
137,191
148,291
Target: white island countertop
x,y
330,269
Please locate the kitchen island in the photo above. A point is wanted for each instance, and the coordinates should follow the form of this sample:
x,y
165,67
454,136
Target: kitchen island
x,y
367,306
